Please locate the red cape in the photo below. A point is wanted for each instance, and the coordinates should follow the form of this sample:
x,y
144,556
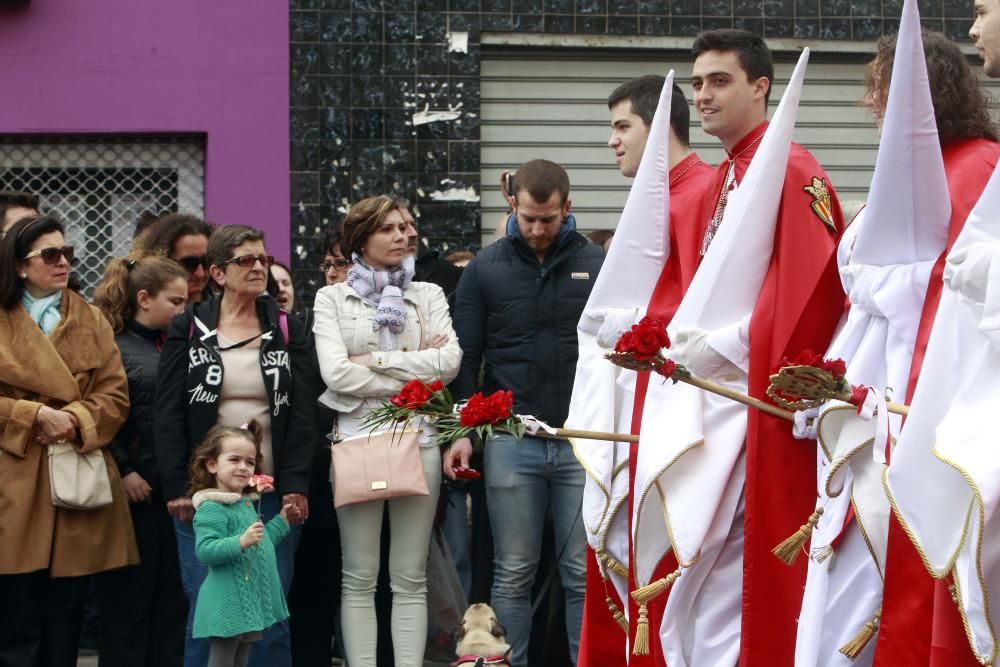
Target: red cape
x,y
602,642
920,624
798,307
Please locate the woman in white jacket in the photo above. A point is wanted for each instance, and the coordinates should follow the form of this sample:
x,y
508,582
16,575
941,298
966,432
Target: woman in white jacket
x,y
374,333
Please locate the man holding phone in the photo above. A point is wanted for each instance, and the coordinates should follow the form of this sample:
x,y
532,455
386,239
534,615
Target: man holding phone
x,y
517,306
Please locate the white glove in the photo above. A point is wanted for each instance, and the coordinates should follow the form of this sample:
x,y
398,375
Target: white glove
x,y
690,348
616,322
968,270
804,426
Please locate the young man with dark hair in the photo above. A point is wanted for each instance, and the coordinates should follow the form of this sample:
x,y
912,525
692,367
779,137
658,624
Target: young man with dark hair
x,y
517,307
633,105
15,206
797,308
429,266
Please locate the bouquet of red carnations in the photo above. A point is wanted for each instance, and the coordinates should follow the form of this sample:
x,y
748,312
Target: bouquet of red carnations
x,y
640,349
809,381
432,401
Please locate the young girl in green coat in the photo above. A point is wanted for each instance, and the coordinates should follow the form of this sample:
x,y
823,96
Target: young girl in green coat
x,y
241,597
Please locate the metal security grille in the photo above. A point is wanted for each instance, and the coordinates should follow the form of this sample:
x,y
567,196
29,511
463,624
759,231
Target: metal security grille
x,y
99,186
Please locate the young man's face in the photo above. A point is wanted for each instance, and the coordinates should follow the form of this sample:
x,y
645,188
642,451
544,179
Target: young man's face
x,y
728,103
540,222
628,138
985,32
412,237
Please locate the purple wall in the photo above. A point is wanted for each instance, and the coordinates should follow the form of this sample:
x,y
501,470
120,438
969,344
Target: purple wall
x,y
218,67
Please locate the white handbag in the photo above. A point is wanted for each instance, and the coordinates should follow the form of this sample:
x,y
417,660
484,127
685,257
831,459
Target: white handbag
x,y
78,481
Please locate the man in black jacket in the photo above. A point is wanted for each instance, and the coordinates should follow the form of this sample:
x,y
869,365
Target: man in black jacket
x,y
517,308
429,266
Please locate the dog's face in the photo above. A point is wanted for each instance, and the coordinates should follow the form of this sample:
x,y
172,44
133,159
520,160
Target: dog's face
x,y
480,633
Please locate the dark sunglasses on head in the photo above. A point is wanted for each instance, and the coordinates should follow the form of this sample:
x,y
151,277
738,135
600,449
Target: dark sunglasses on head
x,y
192,262
52,255
340,264
248,261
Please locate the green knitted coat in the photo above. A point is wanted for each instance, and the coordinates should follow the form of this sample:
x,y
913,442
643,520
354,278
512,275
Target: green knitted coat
x,y
242,592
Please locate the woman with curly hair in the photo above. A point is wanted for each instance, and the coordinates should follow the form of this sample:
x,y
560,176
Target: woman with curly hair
x,y
876,603
918,624
183,238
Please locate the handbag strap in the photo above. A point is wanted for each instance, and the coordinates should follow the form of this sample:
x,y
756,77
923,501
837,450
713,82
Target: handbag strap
x,y
334,436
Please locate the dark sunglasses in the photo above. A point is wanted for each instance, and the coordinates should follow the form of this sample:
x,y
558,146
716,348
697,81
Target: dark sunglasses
x,y
52,255
192,262
339,264
248,261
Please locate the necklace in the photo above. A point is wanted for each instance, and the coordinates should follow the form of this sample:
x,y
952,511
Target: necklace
x,y
686,170
728,185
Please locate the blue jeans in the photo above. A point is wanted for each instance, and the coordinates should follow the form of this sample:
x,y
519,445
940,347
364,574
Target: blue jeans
x,y
522,480
275,649
456,532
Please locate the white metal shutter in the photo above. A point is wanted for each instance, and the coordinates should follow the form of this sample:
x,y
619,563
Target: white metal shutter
x,y
552,103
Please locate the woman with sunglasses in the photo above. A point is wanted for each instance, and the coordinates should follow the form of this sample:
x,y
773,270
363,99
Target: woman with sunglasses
x,y
61,381
374,333
183,238
227,360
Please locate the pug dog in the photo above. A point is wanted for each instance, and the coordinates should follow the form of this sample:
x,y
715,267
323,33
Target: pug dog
x,y
481,638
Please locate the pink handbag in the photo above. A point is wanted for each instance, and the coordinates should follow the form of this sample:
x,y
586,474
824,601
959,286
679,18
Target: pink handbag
x,y
377,466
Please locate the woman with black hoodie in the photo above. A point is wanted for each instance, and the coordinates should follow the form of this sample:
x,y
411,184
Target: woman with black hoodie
x,y
227,360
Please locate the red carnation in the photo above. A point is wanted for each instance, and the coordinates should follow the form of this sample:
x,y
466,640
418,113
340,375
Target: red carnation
x,y
500,403
435,386
667,368
472,412
479,411
626,343
649,337
836,367
413,395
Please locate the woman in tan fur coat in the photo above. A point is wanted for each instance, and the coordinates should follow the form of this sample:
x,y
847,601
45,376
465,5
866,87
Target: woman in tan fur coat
x,y
61,379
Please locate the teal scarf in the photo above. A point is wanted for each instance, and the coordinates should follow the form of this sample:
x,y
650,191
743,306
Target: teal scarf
x,y
44,311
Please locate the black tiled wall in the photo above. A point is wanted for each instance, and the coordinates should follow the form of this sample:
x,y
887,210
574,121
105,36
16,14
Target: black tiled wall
x,y
360,69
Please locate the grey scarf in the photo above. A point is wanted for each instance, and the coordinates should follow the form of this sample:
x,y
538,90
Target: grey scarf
x,y
384,290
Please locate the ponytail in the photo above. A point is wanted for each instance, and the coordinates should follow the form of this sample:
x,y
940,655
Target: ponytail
x,y
125,277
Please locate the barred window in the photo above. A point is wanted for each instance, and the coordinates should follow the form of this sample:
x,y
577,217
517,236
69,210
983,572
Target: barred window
x,y
99,186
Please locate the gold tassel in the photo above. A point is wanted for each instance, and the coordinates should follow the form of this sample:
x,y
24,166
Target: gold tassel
x,y
652,589
641,644
788,551
642,596
853,648
613,565
617,614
